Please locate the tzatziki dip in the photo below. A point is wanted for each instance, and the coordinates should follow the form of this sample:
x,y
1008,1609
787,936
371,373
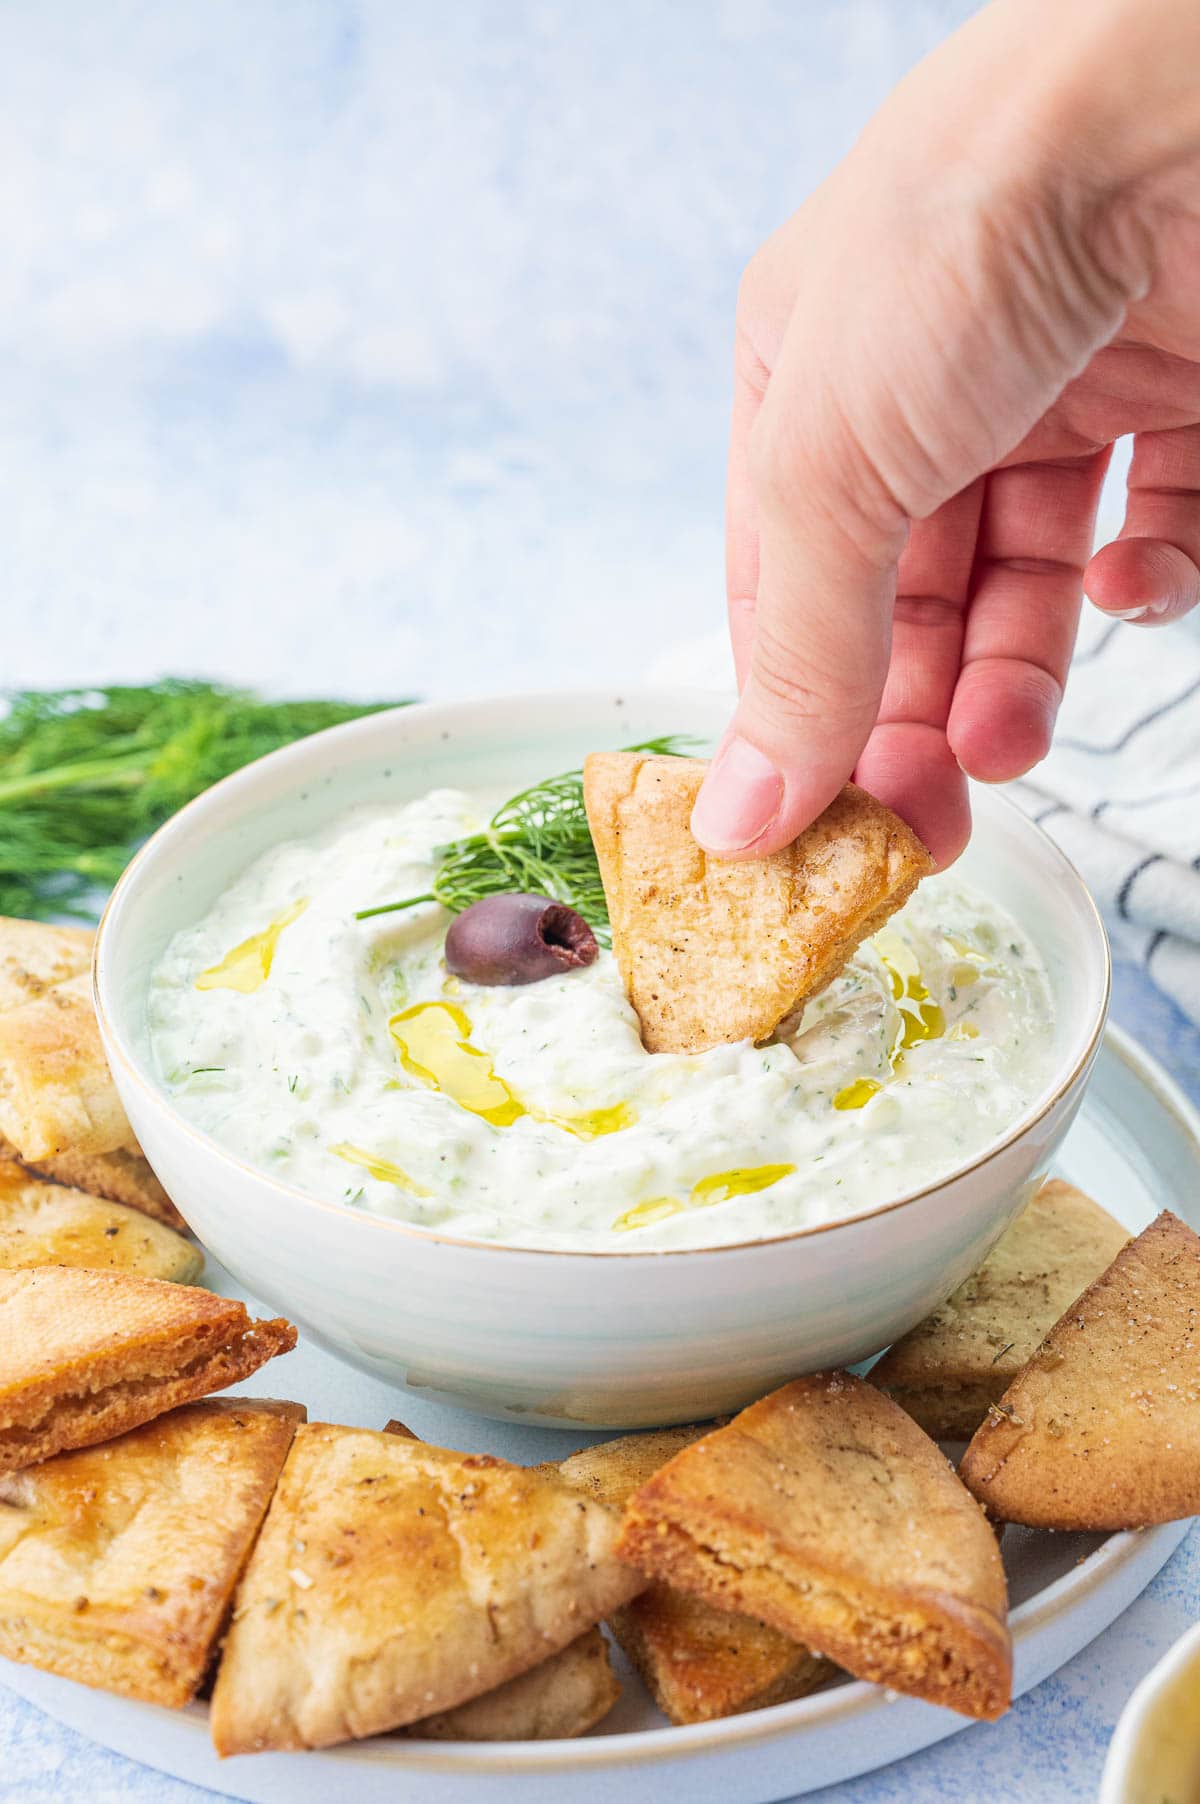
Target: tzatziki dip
x,y
341,1056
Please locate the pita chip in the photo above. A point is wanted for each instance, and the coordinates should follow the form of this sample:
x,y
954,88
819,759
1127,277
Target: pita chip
x,y
697,1661
963,1357
47,1224
56,1091
85,1355
711,951
1101,1430
825,1512
394,1581
561,1697
118,1563
121,1177
34,956
564,1696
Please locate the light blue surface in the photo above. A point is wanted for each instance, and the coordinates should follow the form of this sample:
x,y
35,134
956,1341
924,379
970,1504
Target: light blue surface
x,y
384,349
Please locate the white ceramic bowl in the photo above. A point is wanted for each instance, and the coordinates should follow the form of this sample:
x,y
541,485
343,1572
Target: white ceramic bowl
x,y
1155,1753
594,1339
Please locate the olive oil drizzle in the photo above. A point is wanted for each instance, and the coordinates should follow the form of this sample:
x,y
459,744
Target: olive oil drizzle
x,y
248,966
746,1180
434,1043
920,1017
385,1170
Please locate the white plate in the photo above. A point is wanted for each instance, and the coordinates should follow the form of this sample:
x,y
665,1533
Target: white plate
x,y
1136,1147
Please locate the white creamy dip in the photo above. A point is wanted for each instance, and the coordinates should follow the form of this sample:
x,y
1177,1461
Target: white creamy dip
x,y
298,1051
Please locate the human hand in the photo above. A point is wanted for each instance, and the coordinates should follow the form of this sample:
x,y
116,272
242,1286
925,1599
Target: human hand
x,y
933,358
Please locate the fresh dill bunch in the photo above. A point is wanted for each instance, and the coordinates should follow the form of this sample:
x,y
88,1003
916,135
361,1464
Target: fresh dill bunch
x,y
86,774
538,843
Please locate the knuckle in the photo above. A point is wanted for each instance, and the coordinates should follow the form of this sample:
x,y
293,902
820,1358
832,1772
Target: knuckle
x,y
797,685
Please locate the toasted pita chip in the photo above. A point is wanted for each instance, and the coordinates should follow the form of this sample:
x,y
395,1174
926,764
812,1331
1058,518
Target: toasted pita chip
x,y
86,1355
34,956
564,1696
1102,1428
394,1426
118,1563
614,1470
393,1581
120,1177
711,951
698,1662
56,1091
46,1224
827,1513
963,1357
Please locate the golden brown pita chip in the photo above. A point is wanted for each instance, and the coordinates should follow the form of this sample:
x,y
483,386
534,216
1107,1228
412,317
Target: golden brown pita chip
x,y
963,1357
827,1513
121,1177
56,1091
614,1470
698,1662
46,1224
393,1581
1102,1428
86,1355
711,951
34,956
118,1563
564,1696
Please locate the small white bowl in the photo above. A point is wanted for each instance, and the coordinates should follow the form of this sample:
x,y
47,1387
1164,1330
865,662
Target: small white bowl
x,y
1154,1757
590,1339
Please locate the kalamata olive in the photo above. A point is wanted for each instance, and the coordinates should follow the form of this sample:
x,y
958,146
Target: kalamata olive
x,y
517,939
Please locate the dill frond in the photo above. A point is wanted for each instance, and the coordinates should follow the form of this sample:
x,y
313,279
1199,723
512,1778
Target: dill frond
x,y
538,843
86,774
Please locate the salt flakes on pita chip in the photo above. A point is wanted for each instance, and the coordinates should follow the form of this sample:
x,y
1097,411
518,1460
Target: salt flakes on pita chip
x,y
1101,1430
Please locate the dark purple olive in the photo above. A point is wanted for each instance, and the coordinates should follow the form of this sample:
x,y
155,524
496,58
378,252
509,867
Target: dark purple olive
x,y
517,939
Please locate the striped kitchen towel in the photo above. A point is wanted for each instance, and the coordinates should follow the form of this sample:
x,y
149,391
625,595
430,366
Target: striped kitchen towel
x,y
1120,792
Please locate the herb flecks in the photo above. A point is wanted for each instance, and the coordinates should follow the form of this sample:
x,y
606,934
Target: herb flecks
x,y
538,843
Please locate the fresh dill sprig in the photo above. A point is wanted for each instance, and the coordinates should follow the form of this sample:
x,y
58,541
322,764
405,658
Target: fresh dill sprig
x,y
85,774
538,843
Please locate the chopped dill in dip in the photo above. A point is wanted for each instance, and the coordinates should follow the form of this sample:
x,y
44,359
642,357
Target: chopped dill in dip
x,y
341,1055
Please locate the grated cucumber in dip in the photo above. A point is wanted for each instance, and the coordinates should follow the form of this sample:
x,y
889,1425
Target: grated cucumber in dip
x,y
339,1055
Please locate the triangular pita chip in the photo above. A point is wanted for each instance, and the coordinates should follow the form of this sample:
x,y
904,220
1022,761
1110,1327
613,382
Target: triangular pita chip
x,y
698,1662
712,951
56,1091
122,1177
561,1697
965,1355
564,1696
1102,1428
827,1513
118,1563
393,1581
86,1355
34,956
47,1224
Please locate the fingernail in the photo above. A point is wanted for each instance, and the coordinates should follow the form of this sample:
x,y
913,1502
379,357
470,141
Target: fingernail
x,y
1148,610
740,798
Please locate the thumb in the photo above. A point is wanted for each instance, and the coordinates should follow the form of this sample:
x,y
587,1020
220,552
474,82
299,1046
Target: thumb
x,y
819,658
